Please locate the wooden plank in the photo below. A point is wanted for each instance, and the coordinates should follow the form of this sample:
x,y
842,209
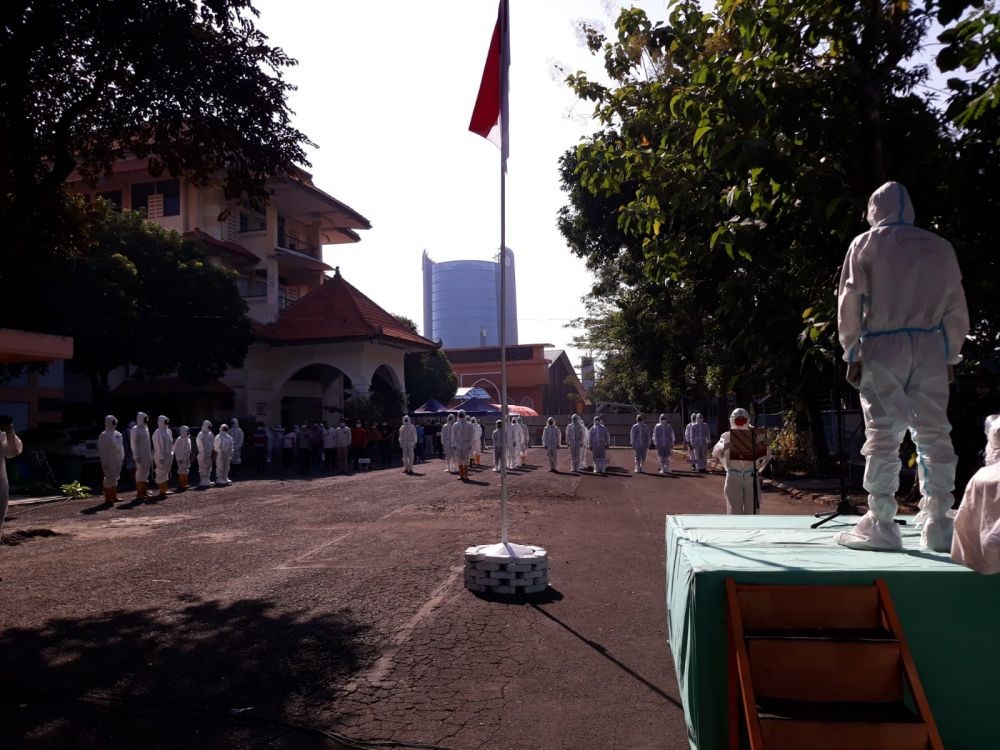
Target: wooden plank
x,y
809,607
909,667
826,671
742,676
780,734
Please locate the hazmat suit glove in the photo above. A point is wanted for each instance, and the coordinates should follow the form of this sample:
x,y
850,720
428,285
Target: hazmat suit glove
x,y
854,374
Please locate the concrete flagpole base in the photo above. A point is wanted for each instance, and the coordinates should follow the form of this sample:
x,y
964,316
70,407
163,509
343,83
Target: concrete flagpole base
x,y
506,569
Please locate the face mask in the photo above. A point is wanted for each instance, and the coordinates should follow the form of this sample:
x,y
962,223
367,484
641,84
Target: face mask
x,y
740,421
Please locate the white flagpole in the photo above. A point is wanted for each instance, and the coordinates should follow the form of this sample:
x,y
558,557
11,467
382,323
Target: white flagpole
x,y
503,275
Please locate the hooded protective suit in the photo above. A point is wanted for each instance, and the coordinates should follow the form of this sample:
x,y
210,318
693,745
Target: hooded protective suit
x,y
902,319
223,455
520,441
551,437
992,453
182,455
236,433
576,435
206,446
498,445
112,452
462,433
526,439
407,441
163,452
701,437
511,451
737,452
663,439
639,438
688,438
600,439
142,453
477,440
446,445
976,542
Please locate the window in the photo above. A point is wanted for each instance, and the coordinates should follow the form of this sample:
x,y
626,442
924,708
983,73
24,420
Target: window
x,y
169,189
251,221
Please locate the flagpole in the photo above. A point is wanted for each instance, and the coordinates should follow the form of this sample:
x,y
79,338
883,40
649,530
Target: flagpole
x,y
503,288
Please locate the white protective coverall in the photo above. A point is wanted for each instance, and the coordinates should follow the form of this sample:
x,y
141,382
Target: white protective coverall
x,y
206,445
449,452
462,433
551,437
526,435
477,440
142,453
407,441
663,439
511,433
519,441
576,434
688,438
223,455
112,452
600,439
10,447
992,454
902,319
163,452
639,438
739,466
976,541
701,437
182,455
498,446
236,433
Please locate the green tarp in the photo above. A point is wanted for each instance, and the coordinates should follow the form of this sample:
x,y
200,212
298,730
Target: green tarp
x,y
950,615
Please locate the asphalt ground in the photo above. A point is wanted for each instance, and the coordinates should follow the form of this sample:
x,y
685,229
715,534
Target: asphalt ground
x,y
260,615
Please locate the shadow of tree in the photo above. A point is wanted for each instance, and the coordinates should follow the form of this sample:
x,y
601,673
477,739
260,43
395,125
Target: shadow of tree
x,y
204,675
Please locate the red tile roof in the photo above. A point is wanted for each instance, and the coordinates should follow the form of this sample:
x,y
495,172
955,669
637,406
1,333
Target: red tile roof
x,y
337,311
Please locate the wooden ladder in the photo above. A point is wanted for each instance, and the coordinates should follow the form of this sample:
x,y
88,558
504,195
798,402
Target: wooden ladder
x,y
822,668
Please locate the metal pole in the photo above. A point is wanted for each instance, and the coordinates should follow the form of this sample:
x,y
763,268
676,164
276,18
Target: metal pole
x,y
503,291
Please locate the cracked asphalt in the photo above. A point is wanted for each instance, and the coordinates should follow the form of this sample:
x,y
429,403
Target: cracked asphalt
x,y
248,616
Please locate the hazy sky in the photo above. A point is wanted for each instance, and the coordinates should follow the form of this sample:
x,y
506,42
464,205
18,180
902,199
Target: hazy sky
x,y
386,90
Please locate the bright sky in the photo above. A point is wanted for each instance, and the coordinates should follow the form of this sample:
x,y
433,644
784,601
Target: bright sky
x,y
386,89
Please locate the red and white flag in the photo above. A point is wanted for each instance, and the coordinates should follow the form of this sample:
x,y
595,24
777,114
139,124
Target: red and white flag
x,y
490,115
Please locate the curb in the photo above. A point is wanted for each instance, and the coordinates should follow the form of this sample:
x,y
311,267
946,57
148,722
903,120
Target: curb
x,y
818,498
39,500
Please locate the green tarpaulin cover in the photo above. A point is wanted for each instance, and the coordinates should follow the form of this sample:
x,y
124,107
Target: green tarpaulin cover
x,y
950,615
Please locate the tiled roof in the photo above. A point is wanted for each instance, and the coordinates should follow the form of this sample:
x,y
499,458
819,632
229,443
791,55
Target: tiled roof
x,y
337,311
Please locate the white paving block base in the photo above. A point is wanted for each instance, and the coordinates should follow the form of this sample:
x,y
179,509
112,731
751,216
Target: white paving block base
x,y
506,569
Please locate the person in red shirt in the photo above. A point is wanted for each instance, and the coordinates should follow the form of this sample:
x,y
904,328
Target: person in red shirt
x,y
359,444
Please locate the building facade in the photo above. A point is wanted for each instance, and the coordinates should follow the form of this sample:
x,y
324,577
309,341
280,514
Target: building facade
x,y
462,302
527,372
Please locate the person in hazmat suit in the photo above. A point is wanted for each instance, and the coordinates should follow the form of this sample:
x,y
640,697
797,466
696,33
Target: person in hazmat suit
x,y
639,438
236,433
449,453
688,441
902,319
163,454
477,441
526,440
600,440
737,450
142,452
511,434
551,437
223,456
182,455
112,452
206,447
976,540
407,441
520,450
10,447
663,439
498,445
462,434
701,439
576,433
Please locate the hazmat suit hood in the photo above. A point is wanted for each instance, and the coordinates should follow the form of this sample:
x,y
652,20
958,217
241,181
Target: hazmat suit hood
x,y
890,205
451,417
206,426
406,420
185,431
699,418
551,421
110,422
234,422
161,421
142,419
576,417
739,414
499,423
461,415
663,417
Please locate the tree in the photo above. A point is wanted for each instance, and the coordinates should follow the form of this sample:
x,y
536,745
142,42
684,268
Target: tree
x,y
135,293
428,374
192,87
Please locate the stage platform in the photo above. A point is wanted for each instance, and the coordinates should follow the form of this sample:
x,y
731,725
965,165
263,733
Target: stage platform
x,y
950,615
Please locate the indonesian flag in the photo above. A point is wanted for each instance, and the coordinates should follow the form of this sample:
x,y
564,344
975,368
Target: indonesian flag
x,y
490,116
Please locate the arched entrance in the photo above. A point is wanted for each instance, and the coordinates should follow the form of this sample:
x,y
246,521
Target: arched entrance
x,y
313,394
387,393
490,387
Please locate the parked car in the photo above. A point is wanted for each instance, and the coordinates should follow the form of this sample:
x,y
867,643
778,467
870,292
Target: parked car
x,y
62,441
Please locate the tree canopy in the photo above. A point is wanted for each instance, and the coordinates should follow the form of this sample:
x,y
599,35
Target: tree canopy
x,y
428,374
735,153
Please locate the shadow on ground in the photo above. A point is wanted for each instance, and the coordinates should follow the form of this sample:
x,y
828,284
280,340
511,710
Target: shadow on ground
x,y
203,675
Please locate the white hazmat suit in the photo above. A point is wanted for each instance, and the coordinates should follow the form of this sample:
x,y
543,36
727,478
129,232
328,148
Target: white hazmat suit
x,y
976,541
576,436
182,455
142,453
992,428
223,456
206,446
462,434
112,452
639,438
477,441
737,451
498,446
600,440
520,440
700,439
236,433
163,453
902,319
551,437
446,444
663,439
407,441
